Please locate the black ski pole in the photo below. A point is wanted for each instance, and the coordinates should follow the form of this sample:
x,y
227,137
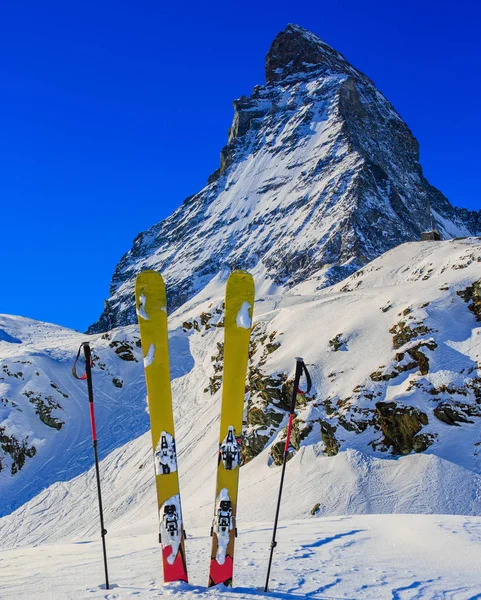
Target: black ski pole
x,y
300,367
88,376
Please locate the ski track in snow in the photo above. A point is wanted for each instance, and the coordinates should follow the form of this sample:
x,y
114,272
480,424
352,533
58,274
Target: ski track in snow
x,y
375,557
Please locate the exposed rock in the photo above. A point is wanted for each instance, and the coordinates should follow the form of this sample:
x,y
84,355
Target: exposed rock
x,y
400,424
450,415
252,446
300,431
277,453
18,450
404,332
123,350
215,380
331,445
337,343
57,389
422,441
472,294
295,51
419,360
44,406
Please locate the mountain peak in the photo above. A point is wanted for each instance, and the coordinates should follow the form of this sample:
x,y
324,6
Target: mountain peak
x,y
319,176
297,50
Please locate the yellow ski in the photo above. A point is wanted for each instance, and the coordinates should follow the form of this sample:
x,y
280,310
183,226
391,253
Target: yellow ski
x,y
151,304
239,306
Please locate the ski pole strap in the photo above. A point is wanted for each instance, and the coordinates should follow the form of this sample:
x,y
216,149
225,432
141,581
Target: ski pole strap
x,y
300,369
308,380
74,367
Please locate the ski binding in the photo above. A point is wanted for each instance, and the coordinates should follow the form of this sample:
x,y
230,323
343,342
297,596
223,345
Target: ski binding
x,y
223,524
230,450
171,526
165,455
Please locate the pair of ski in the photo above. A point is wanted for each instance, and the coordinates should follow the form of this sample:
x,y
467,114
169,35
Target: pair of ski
x,y
151,304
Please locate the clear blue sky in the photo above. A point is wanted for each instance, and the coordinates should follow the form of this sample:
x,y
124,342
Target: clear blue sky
x,y
112,112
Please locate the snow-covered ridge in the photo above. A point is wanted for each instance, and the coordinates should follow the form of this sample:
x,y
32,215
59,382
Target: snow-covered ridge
x,y
319,171
349,439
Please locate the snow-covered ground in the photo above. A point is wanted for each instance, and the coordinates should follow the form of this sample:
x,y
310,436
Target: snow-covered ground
x,y
417,284
371,557
50,502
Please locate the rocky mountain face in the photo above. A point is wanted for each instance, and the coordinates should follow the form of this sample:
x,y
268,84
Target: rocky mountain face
x,y
319,172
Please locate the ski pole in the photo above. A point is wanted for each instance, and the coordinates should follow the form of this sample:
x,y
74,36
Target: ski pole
x,y
88,376
300,367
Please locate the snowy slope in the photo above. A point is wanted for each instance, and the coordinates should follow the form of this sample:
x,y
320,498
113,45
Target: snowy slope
x,y
319,170
44,412
389,557
343,458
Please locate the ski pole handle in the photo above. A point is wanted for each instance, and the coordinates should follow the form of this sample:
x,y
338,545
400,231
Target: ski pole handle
x,y
87,376
88,372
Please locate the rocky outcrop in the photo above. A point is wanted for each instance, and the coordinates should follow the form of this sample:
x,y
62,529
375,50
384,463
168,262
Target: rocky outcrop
x,y
300,431
44,406
472,294
17,449
401,426
124,350
331,445
455,413
404,332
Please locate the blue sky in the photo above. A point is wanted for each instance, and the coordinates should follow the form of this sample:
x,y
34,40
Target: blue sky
x,y
112,112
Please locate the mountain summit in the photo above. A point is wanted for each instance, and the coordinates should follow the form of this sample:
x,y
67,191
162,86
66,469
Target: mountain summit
x,y
296,50
319,173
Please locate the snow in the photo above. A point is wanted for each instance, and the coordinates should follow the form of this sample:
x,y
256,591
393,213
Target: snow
x,y
141,308
308,197
50,504
363,557
149,357
305,320
5,337
243,319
